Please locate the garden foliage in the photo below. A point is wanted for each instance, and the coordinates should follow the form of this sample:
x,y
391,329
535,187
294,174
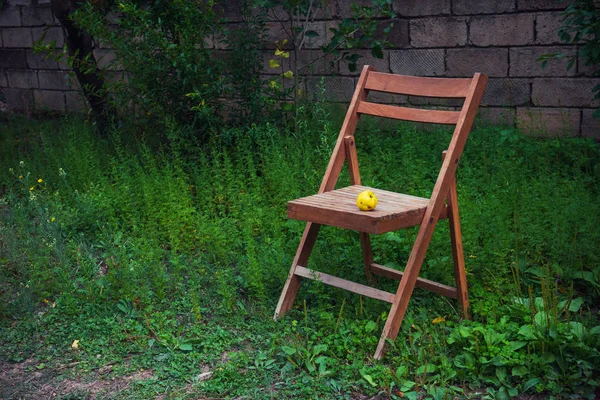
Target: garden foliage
x,y
183,241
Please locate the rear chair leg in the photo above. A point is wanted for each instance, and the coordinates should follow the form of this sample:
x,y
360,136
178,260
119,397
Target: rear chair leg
x,y
460,273
292,284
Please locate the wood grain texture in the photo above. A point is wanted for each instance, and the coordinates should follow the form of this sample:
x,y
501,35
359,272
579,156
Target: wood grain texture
x,y
338,208
453,88
422,283
345,284
292,283
458,257
437,202
409,114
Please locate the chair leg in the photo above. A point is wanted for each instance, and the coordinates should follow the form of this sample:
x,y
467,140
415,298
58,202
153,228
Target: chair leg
x,y
290,289
407,284
457,251
365,244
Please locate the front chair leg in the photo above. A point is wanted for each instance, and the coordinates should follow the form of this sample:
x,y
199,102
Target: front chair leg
x,y
292,284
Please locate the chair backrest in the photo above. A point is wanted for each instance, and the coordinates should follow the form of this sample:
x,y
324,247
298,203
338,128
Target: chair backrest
x,y
470,89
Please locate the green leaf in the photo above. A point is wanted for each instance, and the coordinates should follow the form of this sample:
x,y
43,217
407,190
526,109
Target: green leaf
x,y
369,379
290,351
402,370
528,332
519,371
530,383
185,347
311,34
377,51
576,304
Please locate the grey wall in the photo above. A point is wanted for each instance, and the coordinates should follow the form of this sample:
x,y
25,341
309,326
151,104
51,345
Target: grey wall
x,y
452,38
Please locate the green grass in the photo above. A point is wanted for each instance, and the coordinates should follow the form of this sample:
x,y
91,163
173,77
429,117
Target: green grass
x,y
169,256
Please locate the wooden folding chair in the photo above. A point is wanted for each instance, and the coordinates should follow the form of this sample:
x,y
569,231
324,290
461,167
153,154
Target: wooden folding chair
x,y
395,210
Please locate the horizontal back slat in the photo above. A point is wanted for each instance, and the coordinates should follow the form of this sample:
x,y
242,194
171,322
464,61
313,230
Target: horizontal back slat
x,y
409,114
417,86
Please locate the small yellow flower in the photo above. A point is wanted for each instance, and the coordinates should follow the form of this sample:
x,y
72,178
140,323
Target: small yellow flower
x,y
52,219
31,188
40,180
75,344
438,320
20,176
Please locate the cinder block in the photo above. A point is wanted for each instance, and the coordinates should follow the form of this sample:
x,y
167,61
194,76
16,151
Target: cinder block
x,y
564,92
590,126
337,89
547,25
497,115
22,79
3,80
40,61
55,80
417,62
17,37
502,30
387,98
506,92
536,5
76,102
322,28
18,99
523,61
380,64
469,7
49,100
274,33
585,70
419,8
429,102
10,16
106,59
549,122
12,58
345,7
230,10
51,34
438,32
398,36
314,62
18,2
37,16
465,62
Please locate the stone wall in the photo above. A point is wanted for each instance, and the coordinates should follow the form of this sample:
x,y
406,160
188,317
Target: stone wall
x,y
453,38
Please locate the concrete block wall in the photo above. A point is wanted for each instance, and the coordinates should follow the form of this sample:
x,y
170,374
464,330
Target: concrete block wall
x,y
31,82
437,38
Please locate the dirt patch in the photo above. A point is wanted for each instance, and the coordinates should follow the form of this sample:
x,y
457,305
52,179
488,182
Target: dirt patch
x,y
24,381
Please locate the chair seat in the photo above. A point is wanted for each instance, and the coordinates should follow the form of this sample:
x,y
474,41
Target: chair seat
x,y
338,208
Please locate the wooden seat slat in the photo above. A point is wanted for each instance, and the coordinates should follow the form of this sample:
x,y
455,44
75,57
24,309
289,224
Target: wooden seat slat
x,y
338,208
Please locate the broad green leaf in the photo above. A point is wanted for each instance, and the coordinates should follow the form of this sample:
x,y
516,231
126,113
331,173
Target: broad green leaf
x,y
290,351
274,64
369,379
185,347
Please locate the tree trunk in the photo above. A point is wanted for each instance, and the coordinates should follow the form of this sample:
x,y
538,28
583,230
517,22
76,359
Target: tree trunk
x,y
80,45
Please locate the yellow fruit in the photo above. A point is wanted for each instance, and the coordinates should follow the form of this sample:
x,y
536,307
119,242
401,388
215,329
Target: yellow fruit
x,y
366,200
